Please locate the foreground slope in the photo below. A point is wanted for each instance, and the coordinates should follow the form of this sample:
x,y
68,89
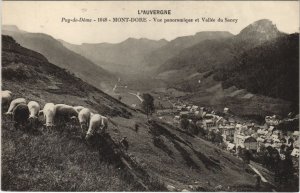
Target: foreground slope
x,y
59,55
52,161
159,154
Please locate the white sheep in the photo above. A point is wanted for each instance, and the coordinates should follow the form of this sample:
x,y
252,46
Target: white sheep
x,y
34,109
84,118
6,97
98,123
78,108
49,112
14,103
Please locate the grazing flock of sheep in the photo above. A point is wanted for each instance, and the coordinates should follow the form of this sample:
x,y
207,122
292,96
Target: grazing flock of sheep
x,y
23,113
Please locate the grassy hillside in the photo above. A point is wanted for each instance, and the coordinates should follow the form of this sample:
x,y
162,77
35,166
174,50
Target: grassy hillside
x,y
241,102
59,160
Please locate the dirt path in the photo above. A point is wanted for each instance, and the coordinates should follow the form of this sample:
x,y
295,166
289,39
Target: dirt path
x,y
261,176
258,173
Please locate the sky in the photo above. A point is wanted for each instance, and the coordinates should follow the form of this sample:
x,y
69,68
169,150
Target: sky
x,y
46,17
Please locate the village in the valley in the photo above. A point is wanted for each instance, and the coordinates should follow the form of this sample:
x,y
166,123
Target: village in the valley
x,y
228,130
266,144
275,132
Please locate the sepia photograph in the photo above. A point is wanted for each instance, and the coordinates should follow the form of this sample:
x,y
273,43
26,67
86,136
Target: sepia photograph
x,y
150,96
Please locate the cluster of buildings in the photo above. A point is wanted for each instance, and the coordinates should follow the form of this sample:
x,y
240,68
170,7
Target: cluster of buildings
x,y
275,132
281,134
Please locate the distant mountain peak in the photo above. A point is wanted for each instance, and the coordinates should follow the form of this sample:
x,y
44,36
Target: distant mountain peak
x,y
130,39
143,43
163,40
263,27
134,40
213,32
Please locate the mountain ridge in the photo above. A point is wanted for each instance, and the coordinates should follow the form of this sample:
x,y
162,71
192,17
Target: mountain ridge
x,y
199,71
211,54
124,57
56,53
277,58
263,26
174,47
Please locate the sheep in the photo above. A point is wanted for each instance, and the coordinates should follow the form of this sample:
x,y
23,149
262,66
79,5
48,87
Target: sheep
x,y
84,117
78,108
34,109
13,104
6,97
49,112
20,115
65,111
64,114
98,123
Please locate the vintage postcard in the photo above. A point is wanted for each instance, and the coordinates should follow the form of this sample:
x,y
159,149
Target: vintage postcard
x,y
180,96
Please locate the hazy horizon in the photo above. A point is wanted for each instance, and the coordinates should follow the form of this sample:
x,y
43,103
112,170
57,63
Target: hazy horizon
x,y
45,17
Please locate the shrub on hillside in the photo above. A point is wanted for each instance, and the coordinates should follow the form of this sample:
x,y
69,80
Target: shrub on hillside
x,y
184,123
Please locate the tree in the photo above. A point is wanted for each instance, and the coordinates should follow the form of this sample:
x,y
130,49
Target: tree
x,y
148,104
246,156
193,129
218,138
184,123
